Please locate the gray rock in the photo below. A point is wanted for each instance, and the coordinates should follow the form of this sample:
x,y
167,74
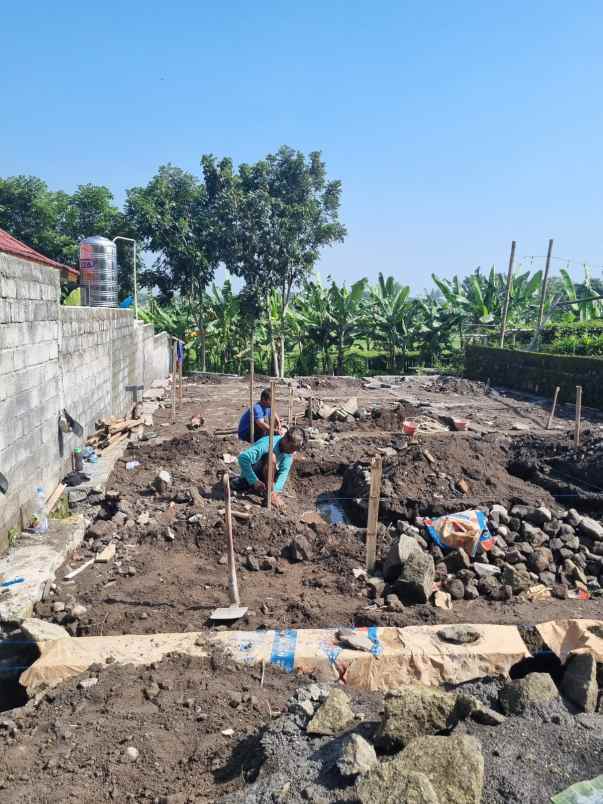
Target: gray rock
x,y
469,707
573,571
455,589
42,631
454,766
533,534
387,783
540,559
162,482
333,716
299,549
489,587
501,514
532,690
457,560
132,753
151,691
518,579
415,584
354,640
394,603
580,681
252,563
357,756
76,496
565,531
547,578
471,591
573,518
397,556
591,528
413,712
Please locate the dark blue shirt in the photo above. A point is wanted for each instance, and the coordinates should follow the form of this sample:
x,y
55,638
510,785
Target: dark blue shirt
x,y
259,412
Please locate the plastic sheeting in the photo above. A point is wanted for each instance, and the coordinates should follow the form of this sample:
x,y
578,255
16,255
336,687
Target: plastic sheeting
x,y
573,636
467,529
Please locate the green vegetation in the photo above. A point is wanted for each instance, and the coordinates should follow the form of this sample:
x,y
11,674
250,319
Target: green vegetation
x,y
267,224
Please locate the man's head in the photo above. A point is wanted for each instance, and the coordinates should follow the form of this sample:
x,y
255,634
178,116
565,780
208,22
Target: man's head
x,y
265,397
293,440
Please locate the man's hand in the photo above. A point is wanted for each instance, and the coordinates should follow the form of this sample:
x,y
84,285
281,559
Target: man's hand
x,y
260,487
277,500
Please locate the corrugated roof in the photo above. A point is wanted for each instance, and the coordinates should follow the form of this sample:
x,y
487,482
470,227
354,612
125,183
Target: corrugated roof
x,y
10,245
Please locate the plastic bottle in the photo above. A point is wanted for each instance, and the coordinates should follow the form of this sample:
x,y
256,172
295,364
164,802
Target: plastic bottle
x,y
40,519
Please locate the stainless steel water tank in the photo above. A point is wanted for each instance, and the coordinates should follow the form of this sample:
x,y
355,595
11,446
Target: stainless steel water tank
x,y
98,271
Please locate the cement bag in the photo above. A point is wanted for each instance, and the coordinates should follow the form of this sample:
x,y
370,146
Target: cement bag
x,y
467,529
564,637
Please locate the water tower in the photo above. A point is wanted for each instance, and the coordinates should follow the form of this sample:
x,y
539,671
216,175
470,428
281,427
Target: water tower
x,y
98,271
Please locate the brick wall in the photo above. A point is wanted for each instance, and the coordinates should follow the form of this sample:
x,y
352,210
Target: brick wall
x,y
538,373
53,357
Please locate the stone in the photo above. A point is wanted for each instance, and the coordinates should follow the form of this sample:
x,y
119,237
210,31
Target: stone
x,y
162,482
573,571
579,682
547,578
305,708
107,554
471,591
590,528
519,580
457,560
467,706
502,514
42,631
78,611
412,712
144,519
565,531
132,753
387,783
394,603
540,559
454,765
88,683
532,534
397,556
489,587
415,584
442,600
299,549
555,544
535,688
357,756
573,518
354,640
333,716
456,589
76,496
119,519
376,585
525,548
485,570
151,691
58,607
514,556
252,563
560,591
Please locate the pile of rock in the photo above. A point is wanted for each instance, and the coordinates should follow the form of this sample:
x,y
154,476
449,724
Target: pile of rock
x,y
537,552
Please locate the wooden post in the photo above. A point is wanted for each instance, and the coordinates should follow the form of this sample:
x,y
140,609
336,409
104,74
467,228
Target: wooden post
x,y
543,293
311,400
233,587
373,514
578,413
180,373
552,413
290,411
174,378
270,472
251,402
503,323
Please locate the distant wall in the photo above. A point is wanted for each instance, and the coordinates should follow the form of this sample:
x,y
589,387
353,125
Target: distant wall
x,y
538,373
54,357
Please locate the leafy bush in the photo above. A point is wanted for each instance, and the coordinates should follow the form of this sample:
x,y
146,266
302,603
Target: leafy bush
x,y
577,344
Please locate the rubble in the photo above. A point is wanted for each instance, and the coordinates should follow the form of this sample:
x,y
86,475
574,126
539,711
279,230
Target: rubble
x,y
534,689
357,756
413,712
579,683
333,716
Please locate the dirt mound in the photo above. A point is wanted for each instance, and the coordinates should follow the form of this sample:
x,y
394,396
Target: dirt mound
x,y
457,385
74,746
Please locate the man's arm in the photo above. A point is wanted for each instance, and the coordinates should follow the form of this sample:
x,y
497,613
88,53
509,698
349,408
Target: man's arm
x,y
252,455
263,425
283,472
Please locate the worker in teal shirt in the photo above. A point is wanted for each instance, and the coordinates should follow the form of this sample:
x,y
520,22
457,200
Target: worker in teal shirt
x,y
254,462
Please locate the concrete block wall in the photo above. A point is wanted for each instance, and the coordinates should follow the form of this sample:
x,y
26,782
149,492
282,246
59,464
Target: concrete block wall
x,y
538,373
54,357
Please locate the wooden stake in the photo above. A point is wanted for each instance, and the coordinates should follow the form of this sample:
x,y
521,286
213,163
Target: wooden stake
x,y
373,514
503,324
251,371
552,413
311,400
233,587
543,293
174,379
180,370
270,473
578,413
290,411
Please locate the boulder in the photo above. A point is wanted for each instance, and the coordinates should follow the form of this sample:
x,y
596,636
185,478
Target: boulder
x,y
415,584
518,579
457,560
412,712
535,688
42,631
387,783
299,549
333,716
397,556
591,528
580,681
454,766
540,559
357,756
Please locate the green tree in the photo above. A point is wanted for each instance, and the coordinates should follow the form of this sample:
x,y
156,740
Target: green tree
x,y
390,309
346,310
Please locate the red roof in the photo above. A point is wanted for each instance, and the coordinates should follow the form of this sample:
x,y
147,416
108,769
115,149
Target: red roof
x,y
11,245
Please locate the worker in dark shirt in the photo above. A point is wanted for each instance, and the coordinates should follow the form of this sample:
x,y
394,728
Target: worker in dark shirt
x,y
261,415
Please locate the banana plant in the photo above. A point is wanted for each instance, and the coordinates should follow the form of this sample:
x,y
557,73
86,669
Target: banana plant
x,y
389,316
346,311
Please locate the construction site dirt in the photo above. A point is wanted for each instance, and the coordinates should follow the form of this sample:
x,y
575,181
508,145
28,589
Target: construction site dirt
x,y
304,566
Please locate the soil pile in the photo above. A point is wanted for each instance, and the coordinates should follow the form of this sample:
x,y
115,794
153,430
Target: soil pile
x,y
457,385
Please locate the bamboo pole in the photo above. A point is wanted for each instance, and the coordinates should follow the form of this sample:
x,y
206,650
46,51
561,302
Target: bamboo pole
x,y
270,471
290,411
373,514
233,587
251,372
503,324
174,378
311,401
578,414
543,292
180,377
552,413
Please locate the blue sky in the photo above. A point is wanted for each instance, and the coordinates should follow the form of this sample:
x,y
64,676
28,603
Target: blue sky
x,y
455,127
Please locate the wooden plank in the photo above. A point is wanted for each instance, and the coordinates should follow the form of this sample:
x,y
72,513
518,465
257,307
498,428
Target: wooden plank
x,y
373,514
270,473
54,497
77,571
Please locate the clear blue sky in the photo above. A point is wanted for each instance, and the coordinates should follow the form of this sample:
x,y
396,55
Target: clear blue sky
x,y
455,127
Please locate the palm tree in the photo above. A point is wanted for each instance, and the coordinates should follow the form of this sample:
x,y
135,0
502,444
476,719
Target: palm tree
x,y
389,314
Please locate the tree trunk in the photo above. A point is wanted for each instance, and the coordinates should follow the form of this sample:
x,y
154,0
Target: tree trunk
x,y
340,356
283,367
